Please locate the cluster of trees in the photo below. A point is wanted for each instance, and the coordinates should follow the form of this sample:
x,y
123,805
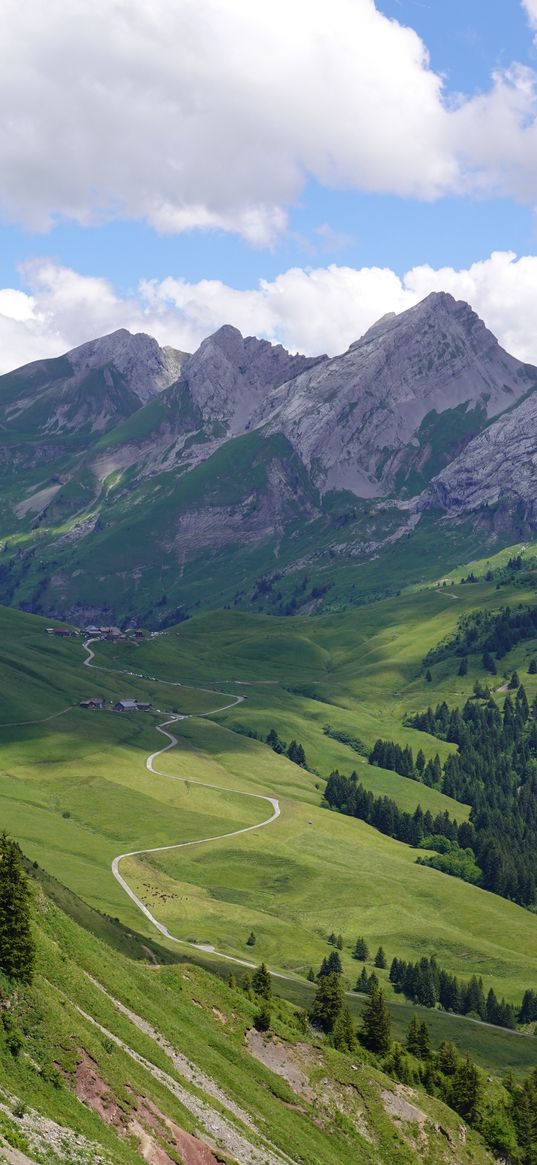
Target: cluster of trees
x,y
353,742
388,755
17,947
294,751
426,983
484,631
349,796
508,1127
495,771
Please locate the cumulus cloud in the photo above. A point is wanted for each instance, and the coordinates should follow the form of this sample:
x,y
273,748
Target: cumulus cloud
x,y
315,310
203,114
531,8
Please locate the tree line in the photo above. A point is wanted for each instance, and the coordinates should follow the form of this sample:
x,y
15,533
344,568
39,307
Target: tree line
x,y
426,983
349,796
485,631
495,772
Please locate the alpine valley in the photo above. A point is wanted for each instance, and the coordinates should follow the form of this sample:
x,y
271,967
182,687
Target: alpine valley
x,y
268,751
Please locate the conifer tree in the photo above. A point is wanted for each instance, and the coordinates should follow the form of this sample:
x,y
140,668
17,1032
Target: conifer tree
x,y
463,666
262,1019
17,947
328,1002
532,668
262,982
380,959
343,1035
425,1043
376,1024
413,1037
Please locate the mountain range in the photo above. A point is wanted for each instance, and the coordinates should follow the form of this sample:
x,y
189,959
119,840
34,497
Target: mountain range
x,y
141,481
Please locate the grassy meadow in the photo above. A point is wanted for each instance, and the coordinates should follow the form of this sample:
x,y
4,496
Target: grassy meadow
x,y
75,790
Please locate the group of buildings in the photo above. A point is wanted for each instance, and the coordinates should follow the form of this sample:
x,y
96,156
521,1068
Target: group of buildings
x,y
112,634
97,703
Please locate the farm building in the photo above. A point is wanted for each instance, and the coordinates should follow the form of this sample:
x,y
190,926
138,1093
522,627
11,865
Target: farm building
x,y
132,706
62,632
93,702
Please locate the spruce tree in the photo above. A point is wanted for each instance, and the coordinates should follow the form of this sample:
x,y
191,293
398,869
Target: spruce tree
x,y
328,1002
463,666
17,948
261,982
425,1043
380,959
413,1037
343,1035
375,1032
532,668
262,1019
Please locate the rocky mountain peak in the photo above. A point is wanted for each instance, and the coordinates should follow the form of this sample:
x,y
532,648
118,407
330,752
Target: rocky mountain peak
x,y
352,419
145,366
230,375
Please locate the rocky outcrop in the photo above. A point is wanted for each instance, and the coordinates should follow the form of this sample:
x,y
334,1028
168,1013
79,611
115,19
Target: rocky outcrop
x,y
230,376
497,472
354,419
90,388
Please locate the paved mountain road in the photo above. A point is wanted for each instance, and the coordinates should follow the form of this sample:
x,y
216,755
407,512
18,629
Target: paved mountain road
x,y
150,766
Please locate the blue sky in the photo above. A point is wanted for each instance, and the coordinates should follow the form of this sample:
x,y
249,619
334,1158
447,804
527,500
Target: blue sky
x,y
122,170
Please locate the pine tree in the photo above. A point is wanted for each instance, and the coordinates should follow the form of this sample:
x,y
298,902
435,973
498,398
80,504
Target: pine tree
x,y
251,940
262,982
339,942
514,682
428,676
447,1058
362,982
425,1042
17,947
262,1019
532,668
463,666
311,975
413,1037
380,959
466,1091
343,1035
376,1024
328,1002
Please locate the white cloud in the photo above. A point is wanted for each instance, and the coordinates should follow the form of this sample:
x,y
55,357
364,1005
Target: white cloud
x,y
198,113
531,9
309,310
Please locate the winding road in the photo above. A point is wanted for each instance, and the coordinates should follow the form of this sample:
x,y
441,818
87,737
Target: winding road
x,y
150,766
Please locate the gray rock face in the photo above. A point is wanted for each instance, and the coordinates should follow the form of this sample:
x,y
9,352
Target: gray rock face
x,y
497,471
230,376
352,418
144,365
91,387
